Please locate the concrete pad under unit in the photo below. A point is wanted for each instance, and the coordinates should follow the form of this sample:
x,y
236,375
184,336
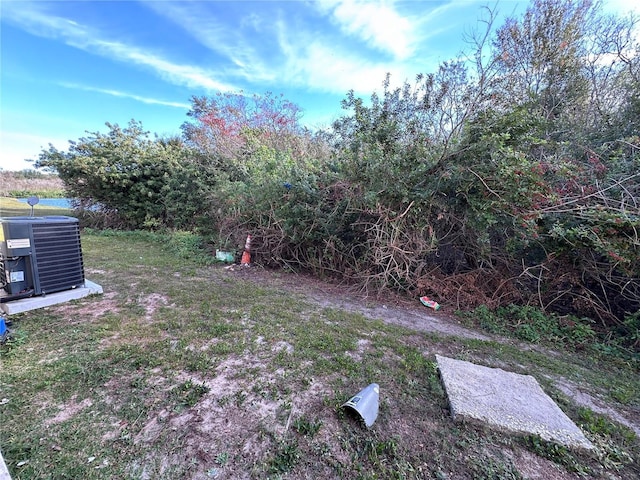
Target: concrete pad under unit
x,y
507,401
33,303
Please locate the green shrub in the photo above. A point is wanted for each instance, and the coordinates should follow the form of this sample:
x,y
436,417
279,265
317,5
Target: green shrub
x,y
532,325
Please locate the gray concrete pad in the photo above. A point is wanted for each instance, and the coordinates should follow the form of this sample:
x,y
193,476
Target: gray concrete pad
x,y
32,303
4,471
507,401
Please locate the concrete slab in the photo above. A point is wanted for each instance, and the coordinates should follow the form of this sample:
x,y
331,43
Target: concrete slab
x,y
4,471
507,401
32,303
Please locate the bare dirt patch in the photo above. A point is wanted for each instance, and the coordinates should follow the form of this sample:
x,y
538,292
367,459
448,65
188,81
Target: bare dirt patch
x,y
252,409
152,302
69,410
231,419
533,467
576,393
92,308
389,307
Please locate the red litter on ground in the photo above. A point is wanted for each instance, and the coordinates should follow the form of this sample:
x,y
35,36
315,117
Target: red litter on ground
x,y
427,302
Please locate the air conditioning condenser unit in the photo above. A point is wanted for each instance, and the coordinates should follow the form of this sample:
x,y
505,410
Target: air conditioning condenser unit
x,y
39,255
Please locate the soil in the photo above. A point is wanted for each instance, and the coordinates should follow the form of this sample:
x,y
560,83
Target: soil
x,y
389,307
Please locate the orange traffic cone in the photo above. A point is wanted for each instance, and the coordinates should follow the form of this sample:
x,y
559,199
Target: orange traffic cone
x,y
246,255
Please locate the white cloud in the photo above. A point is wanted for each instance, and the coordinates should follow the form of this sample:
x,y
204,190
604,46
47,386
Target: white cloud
x,y
314,62
296,56
200,21
278,50
187,75
377,23
117,93
324,69
31,18
622,7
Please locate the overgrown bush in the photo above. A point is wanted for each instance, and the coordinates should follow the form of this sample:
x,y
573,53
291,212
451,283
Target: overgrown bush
x,y
125,179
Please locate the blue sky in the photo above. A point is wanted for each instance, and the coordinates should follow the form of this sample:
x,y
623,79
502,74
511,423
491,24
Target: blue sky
x,y
68,67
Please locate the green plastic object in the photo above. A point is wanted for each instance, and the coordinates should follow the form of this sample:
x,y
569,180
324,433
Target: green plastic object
x,y
223,256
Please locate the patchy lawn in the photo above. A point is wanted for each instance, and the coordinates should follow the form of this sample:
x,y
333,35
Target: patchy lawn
x,y
194,371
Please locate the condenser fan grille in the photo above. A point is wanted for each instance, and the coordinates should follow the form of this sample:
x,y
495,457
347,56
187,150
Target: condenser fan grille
x,y
58,255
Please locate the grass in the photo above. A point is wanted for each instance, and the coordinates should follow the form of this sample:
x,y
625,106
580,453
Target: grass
x,y
533,326
183,369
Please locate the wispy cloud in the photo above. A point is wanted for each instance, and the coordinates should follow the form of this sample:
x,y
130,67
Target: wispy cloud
x,y
179,74
308,46
283,52
377,23
230,41
117,93
315,63
33,18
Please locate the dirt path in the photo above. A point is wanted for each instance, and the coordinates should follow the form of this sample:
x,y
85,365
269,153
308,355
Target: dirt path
x,y
389,308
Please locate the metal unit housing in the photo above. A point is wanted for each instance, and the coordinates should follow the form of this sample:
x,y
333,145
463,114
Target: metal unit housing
x,y
39,255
